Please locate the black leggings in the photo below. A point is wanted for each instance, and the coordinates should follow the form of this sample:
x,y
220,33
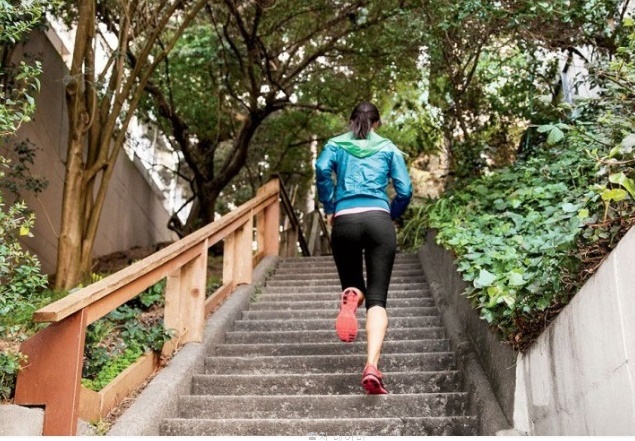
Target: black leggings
x,y
372,235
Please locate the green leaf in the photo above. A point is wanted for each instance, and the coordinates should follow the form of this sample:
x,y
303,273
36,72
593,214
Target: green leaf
x,y
24,230
627,183
628,143
516,279
555,135
569,207
484,279
616,195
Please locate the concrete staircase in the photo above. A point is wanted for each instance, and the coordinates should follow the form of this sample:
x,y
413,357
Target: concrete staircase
x,y
283,371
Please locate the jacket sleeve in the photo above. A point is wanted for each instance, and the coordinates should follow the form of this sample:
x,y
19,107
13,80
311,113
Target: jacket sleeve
x,y
402,184
324,167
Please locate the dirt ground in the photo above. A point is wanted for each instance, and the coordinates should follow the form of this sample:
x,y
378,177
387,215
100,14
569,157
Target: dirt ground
x,y
111,263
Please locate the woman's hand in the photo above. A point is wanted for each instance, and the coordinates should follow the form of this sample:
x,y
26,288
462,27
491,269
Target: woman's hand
x,y
329,220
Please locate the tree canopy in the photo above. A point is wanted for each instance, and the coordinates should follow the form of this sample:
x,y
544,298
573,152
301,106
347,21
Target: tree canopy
x,y
244,89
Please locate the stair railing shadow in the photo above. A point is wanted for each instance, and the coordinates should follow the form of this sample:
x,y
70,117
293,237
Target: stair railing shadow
x,y
52,375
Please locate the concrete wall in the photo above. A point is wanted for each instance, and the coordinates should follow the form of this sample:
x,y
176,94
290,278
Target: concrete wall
x,y
473,337
579,377
133,214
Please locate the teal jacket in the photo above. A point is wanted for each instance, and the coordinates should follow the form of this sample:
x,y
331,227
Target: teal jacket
x,y
363,168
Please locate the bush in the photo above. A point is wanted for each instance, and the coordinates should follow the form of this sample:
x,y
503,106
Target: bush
x,y
513,233
528,236
22,286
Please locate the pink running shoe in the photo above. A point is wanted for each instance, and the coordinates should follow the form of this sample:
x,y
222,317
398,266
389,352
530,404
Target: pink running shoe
x,y
346,323
372,381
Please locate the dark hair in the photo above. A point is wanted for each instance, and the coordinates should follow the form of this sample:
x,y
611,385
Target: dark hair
x,y
364,115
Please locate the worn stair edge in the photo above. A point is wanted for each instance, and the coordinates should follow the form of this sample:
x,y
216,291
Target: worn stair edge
x,y
321,273
290,295
419,302
159,399
417,333
327,324
332,313
330,348
417,286
430,361
324,406
334,281
398,258
323,384
353,427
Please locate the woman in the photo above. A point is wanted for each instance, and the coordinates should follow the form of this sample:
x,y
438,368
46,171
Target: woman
x,y
361,215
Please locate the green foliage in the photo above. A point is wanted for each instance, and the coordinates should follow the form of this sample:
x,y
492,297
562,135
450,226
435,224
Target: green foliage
x,y
117,340
9,366
21,282
22,286
494,68
526,237
18,176
513,234
113,367
18,84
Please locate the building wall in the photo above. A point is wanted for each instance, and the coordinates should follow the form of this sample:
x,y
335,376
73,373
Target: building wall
x,y
133,214
579,377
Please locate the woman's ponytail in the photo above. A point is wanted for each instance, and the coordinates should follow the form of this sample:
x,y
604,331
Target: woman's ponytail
x,y
364,115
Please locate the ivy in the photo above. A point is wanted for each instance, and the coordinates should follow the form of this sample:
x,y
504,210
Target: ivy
x,y
526,237
513,233
117,340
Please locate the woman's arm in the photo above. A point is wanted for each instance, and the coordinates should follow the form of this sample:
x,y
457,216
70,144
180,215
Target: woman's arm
x,y
324,167
402,184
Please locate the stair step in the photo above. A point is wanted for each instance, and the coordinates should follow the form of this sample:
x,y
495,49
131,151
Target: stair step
x,y
334,303
356,428
323,384
324,406
310,274
334,281
332,313
310,263
427,361
329,336
291,296
399,257
338,348
328,324
330,271
336,288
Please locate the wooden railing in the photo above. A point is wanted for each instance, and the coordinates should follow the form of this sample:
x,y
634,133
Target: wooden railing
x,y
52,375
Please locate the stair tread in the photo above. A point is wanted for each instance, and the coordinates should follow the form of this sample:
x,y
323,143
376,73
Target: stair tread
x,y
325,406
407,426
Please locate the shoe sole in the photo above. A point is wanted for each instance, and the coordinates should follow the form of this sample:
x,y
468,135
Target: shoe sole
x,y
346,323
373,386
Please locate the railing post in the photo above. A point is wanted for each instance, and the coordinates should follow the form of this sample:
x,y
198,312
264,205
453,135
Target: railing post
x,y
237,256
185,302
52,373
270,229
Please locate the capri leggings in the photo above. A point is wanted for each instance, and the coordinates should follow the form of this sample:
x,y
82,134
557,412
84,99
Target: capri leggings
x,y
371,236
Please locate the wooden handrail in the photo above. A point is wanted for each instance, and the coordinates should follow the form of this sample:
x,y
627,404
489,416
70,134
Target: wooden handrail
x,y
52,374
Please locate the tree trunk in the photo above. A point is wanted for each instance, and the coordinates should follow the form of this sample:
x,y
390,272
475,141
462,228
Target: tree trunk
x,y
208,191
78,99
